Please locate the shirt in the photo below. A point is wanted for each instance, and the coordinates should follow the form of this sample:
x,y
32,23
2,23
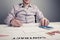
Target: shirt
x,y
25,15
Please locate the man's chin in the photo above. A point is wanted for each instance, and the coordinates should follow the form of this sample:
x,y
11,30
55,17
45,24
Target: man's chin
x,y
27,2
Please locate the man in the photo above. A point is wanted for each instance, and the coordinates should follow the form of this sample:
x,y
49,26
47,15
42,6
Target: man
x,y
25,13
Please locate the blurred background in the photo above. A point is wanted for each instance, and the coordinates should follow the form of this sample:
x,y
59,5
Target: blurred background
x,y
50,8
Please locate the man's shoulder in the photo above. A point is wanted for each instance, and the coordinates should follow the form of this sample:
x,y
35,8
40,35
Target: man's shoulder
x,y
34,6
17,5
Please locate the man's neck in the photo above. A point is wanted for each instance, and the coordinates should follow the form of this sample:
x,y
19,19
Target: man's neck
x,y
26,5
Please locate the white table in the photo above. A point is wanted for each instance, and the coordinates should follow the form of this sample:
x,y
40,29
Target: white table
x,y
29,30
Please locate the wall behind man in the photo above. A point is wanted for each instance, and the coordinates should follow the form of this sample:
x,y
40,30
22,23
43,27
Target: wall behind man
x,y
50,8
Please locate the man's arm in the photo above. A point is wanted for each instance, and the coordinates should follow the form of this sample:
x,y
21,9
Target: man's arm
x,y
10,16
11,20
44,21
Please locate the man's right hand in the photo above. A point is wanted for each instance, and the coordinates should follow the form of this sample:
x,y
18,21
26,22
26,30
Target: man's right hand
x,y
16,23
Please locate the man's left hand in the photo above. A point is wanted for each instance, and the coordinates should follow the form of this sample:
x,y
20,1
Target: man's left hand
x,y
44,22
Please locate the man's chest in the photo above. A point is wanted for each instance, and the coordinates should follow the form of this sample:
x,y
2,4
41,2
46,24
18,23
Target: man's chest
x,y
25,12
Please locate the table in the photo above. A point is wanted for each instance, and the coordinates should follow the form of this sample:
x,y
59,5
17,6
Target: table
x,y
30,31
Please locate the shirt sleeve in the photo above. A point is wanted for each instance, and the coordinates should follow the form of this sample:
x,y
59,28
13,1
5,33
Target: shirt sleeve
x,y
10,16
39,14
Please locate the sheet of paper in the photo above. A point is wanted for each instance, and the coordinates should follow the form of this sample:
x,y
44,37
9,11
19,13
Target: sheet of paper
x,y
29,30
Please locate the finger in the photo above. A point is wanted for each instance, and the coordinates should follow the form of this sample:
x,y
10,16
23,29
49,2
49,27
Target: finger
x,y
19,23
46,22
50,33
15,24
42,22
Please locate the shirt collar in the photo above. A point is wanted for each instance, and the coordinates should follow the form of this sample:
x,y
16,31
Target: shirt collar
x,y
23,5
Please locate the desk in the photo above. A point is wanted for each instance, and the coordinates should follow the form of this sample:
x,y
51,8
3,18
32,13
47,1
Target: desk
x,y
29,30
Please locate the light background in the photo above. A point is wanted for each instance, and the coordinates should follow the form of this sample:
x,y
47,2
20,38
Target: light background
x,y
50,8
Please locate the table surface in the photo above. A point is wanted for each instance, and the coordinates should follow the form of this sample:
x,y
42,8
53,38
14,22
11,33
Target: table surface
x,y
29,30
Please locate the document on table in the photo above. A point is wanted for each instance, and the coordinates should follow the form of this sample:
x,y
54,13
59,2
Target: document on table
x,y
29,30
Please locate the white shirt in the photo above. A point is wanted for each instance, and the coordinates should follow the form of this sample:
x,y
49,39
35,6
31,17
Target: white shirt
x,y
25,15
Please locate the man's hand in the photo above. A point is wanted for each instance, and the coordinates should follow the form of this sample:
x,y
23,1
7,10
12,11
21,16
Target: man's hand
x,y
16,23
44,22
